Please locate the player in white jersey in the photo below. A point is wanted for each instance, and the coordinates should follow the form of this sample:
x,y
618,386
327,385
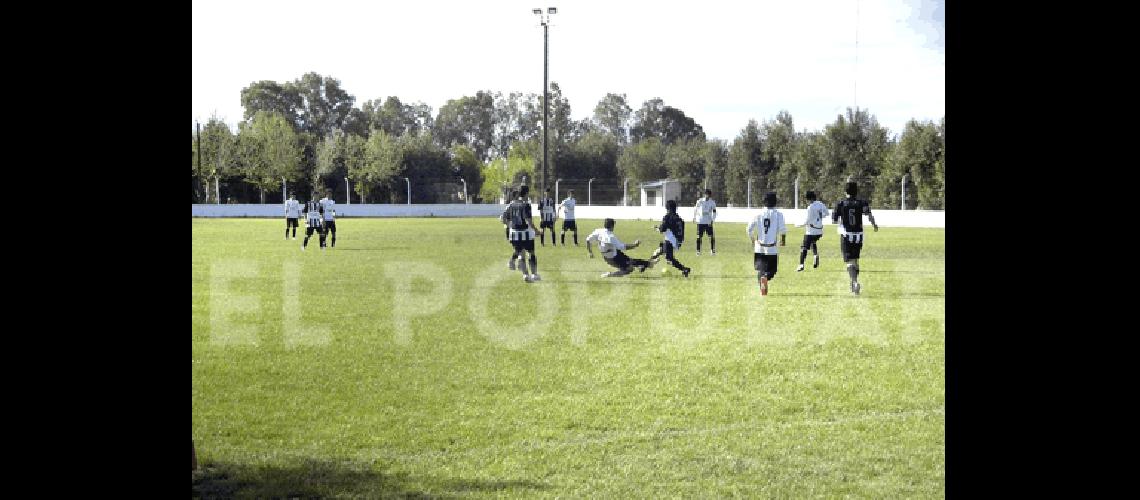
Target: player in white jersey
x,y
611,248
313,222
768,224
704,214
813,229
568,221
292,213
520,232
329,207
548,210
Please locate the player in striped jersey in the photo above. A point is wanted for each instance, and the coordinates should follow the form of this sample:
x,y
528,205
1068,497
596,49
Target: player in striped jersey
x,y
704,214
813,230
547,209
611,248
673,228
328,207
313,222
851,211
292,213
768,223
568,220
521,232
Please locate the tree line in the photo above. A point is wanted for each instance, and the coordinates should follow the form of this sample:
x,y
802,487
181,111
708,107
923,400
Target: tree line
x,y
309,133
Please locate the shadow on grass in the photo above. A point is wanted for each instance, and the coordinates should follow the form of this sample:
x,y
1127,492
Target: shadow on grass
x,y
322,479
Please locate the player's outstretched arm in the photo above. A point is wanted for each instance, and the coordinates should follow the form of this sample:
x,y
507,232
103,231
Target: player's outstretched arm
x,y
872,219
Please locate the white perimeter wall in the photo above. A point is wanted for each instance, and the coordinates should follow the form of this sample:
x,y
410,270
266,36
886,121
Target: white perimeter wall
x,y
886,218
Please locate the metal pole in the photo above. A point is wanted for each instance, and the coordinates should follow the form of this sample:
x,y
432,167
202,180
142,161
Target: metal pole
x,y
589,192
556,188
749,192
797,196
465,202
625,193
409,190
545,94
284,185
217,191
347,193
903,207
198,138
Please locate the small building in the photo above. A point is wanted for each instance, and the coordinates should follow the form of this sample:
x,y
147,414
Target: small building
x,y
654,193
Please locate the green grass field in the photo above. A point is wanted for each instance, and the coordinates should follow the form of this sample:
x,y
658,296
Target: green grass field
x,y
408,361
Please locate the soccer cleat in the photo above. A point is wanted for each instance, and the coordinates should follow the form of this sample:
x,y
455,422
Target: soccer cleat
x,y
855,287
685,272
535,277
606,275
526,278
714,252
800,269
816,262
763,285
698,253
302,248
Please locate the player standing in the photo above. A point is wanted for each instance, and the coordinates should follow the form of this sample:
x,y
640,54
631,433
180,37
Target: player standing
x,y
313,223
768,223
329,211
292,213
568,222
704,214
521,234
547,209
851,211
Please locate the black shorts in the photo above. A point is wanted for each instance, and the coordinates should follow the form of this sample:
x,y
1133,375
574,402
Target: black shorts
x,y
330,225
309,230
570,225
765,264
290,222
620,261
849,248
520,245
810,239
546,223
704,228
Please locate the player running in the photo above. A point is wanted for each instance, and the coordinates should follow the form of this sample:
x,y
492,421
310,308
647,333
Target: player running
x,y
813,230
851,211
768,223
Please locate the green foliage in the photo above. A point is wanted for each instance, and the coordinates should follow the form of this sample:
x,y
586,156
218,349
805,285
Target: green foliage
x,y
499,176
469,168
269,150
612,115
640,162
685,162
745,160
666,123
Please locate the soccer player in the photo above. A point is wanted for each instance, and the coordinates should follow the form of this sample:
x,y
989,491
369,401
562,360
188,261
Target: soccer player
x,y
313,221
547,209
852,210
813,230
704,214
292,213
329,211
521,234
611,248
568,222
674,228
768,223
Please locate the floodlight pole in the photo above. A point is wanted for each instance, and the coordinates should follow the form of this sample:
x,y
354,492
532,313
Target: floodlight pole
x,y
217,191
409,190
903,206
749,202
198,138
284,185
347,193
545,20
797,193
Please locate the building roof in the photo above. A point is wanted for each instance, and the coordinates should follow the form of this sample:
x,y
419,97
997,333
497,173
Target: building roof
x,y
656,183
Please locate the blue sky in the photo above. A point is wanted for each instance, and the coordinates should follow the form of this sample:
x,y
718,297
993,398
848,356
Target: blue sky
x,y
722,62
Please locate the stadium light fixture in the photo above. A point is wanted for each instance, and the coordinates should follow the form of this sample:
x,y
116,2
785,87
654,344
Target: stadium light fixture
x,y
537,11
551,10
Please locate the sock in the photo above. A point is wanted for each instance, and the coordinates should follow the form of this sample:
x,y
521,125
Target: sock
x,y
698,244
542,238
533,264
803,255
852,271
575,238
563,238
856,277
712,243
814,249
522,267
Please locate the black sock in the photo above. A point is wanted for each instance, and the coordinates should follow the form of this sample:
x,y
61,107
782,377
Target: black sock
x,y
698,244
803,255
563,239
575,238
712,243
542,237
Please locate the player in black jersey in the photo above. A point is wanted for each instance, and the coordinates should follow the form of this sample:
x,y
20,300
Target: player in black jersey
x,y
520,231
849,214
673,227
546,210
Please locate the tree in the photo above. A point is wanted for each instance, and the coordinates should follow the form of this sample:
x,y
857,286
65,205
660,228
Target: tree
x,y
612,115
685,161
745,160
715,166
218,150
468,121
856,148
643,161
325,106
500,176
331,161
467,167
779,145
271,151
272,97
667,123
917,155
